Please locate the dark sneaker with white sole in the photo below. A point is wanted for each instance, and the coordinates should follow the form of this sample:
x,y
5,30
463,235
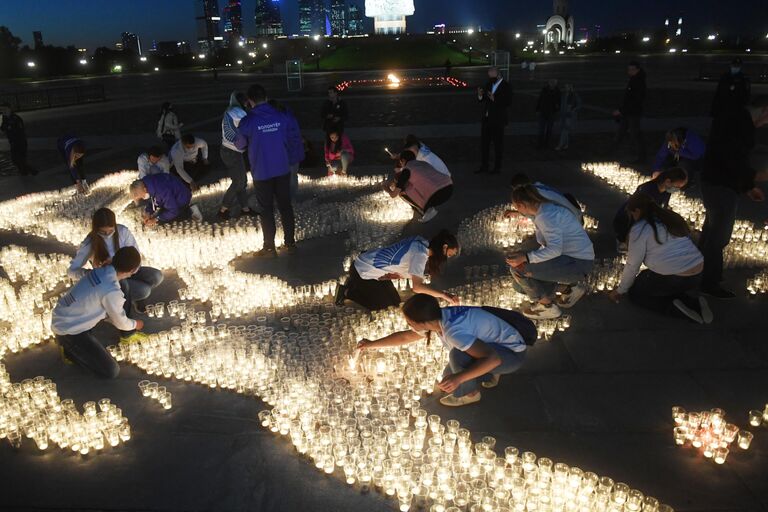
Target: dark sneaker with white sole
x,y
718,292
688,311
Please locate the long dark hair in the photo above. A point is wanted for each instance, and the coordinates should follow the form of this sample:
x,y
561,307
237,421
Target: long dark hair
x,y
437,259
653,213
333,146
527,194
165,108
102,218
422,308
672,174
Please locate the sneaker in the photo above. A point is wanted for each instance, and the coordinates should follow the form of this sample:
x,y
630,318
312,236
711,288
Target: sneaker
x,y
452,401
289,248
64,356
689,312
341,295
706,313
539,311
570,299
223,215
140,306
718,292
136,337
196,213
266,253
428,215
491,383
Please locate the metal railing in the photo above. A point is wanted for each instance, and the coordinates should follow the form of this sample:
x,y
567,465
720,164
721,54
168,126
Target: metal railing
x,y
48,98
756,71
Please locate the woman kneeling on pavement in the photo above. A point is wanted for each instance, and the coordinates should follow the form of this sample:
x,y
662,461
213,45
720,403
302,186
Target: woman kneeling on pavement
x,y
660,239
561,263
484,343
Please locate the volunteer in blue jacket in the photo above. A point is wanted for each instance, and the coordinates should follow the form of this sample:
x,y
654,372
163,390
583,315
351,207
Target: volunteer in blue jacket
x,y
98,249
95,297
682,148
296,153
167,198
484,343
370,277
561,263
265,132
72,150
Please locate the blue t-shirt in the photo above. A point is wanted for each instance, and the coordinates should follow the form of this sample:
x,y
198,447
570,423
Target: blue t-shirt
x,y
408,257
462,325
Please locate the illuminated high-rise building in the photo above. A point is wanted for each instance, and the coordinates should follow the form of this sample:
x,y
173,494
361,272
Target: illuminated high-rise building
x,y
208,20
311,17
268,18
355,26
131,43
233,22
339,17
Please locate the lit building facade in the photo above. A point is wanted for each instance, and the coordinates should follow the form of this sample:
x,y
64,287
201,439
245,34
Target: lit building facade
x,y
389,15
268,18
233,22
355,22
131,43
311,17
339,18
559,29
208,25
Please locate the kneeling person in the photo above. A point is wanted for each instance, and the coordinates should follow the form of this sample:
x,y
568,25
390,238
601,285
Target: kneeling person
x,y
482,345
167,198
95,297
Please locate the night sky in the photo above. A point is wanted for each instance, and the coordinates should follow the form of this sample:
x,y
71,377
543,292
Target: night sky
x,y
92,23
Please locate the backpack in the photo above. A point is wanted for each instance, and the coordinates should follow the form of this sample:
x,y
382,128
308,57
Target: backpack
x,y
523,325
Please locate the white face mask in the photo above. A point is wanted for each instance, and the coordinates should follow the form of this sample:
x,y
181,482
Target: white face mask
x,y
146,196
673,190
102,235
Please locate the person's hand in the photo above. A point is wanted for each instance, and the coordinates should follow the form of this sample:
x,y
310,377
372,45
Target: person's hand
x,y
515,260
139,325
363,344
390,276
510,214
614,295
194,186
452,299
490,96
450,383
756,194
655,174
150,221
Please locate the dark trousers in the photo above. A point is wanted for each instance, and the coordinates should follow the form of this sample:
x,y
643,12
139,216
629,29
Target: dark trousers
x,y
86,351
267,192
657,292
721,204
371,293
491,133
139,286
546,123
19,158
631,125
440,197
622,223
235,164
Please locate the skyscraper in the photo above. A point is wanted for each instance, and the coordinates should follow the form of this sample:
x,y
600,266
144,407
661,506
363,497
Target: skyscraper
x,y
338,17
355,20
311,17
208,19
268,19
233,21
131,43
37,36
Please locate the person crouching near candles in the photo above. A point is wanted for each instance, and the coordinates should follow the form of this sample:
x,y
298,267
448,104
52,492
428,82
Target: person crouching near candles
x,y
484,343
167,198
370,276
561,263
95,297
660,239
420,185
98,249
339,152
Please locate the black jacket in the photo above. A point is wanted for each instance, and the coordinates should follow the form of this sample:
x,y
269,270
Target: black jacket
x,y
733,93
634,95
13,128
549,101
338,109
496,111
731,140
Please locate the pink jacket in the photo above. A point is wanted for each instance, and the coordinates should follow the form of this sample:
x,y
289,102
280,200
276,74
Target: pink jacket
x,y
423,182
346,145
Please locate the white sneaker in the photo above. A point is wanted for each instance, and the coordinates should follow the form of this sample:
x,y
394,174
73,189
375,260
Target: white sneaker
x,y
569,300
539,311
491,383
452,401
690,313
196,213
428,215
706,313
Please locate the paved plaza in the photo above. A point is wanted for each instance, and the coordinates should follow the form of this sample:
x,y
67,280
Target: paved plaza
x,y
597,396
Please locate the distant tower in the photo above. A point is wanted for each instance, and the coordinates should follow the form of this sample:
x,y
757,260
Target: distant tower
x,y
355,25
208,20
38,38
559,29
338,17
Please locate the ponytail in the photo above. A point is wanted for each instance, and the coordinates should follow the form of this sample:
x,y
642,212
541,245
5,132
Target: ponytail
x,y
653,213
437,258
527,194
422,308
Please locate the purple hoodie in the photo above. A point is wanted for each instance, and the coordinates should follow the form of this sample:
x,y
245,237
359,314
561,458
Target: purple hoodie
x,y
692,149
265,132
168,195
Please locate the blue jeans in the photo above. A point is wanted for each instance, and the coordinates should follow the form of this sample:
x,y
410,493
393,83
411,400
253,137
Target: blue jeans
x,y
139,286
235,164
459,361
540,280
86,351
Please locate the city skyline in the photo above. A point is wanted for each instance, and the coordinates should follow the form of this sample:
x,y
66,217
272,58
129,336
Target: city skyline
x,y
58,19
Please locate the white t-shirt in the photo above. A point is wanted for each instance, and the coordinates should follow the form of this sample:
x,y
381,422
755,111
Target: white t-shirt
x,y
426,155
463,325
407,257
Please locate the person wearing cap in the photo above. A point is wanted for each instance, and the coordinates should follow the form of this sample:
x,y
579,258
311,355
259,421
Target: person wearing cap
x,y
733,90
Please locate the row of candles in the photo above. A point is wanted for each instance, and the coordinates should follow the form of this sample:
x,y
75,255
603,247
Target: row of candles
x,y
154,391
749,243
709,432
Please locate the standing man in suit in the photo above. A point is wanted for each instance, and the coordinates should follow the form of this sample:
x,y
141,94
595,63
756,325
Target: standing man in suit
x,y
495,97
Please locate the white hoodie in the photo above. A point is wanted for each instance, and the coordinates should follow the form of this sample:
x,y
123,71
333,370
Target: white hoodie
x,y
147,168
76,267
94,298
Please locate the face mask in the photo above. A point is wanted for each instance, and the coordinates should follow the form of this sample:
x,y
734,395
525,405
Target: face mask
x,y
102,235
146,196
735,70
673,190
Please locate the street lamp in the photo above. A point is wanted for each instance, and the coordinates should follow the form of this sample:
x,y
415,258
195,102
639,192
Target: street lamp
x,y
646,39
316,37
201,56
31,64
711,37
83,62
517,35
143,58
264,45
470,31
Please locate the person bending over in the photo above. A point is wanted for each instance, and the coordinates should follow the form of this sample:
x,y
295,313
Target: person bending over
x,y
419,185
371,274
72,150
660,239
98,249
167,198
484,343
190,159
562,261
96,297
